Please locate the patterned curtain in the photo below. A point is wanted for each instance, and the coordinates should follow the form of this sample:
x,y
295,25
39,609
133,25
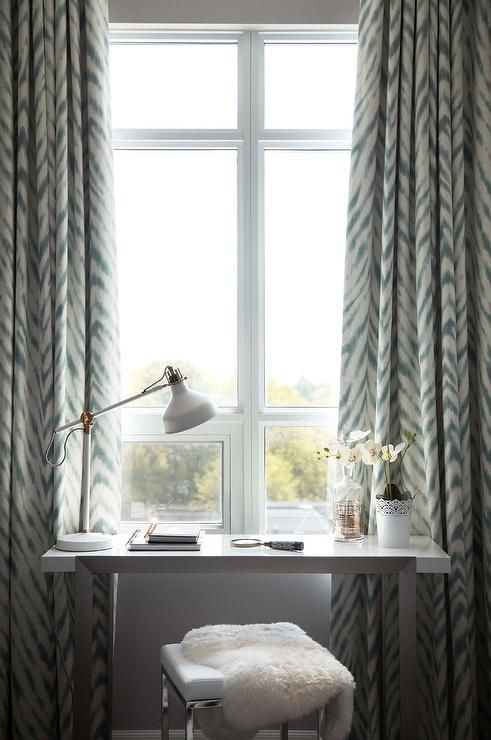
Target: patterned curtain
x,y
58,340
417,348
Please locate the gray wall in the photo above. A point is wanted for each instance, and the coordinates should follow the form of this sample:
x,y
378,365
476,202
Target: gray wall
x,y
253,12
154,610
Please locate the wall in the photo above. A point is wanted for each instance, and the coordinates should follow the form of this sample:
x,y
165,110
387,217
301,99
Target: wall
x,y
246,12
153,610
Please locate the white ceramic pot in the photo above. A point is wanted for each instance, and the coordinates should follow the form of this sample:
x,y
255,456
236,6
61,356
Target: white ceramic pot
x,y
393,522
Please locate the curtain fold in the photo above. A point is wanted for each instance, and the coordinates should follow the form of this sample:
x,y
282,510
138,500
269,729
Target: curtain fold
x,y
58,341
417,348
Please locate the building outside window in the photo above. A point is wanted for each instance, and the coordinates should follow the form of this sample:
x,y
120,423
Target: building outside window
x,y
231,154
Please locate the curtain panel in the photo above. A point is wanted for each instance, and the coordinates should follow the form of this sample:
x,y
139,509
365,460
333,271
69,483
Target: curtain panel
x,y
417,348
58,341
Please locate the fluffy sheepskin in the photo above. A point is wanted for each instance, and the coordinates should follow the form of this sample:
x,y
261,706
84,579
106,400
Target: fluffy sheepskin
x,y
273,673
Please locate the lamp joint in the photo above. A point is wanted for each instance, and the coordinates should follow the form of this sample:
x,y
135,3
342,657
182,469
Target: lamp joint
x,y
87,420
173,375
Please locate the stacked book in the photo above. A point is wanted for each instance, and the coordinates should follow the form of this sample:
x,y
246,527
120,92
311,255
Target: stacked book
x,y
161,536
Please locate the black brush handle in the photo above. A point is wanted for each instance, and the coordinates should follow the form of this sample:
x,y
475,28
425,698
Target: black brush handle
x,y
281,545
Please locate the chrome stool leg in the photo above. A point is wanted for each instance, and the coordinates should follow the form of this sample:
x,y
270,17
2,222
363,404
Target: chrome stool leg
x,y
164,715
284,731
188,733
321,722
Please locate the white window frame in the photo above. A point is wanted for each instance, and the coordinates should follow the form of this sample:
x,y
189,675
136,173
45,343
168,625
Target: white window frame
x,y
241,429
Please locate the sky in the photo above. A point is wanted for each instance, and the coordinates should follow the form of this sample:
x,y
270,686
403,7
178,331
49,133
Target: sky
x,y
176,211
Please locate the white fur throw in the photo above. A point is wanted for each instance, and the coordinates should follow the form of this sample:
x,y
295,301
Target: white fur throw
x,y
273,673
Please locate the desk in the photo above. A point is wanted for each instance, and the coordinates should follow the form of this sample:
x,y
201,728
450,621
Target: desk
x,y
321,555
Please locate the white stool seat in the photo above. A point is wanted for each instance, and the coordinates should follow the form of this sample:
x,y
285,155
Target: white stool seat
x,y
199,687
192,680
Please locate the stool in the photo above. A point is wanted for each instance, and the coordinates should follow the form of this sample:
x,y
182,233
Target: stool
x,y
198,687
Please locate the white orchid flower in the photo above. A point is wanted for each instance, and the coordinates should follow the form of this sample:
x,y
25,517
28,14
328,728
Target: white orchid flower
x,y
349,455
359,434
390,453
370,453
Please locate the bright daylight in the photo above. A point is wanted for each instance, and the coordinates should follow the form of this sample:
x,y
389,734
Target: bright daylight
x,y
188,246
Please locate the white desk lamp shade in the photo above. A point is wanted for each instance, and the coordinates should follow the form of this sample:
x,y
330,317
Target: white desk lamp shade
x,y
187,409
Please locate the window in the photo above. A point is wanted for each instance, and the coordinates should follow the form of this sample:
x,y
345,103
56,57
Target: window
x,y
231,155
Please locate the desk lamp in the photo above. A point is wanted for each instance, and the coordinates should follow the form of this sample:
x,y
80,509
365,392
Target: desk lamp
x,y
186,409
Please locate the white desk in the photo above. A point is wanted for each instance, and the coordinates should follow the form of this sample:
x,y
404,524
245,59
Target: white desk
x,y
321,555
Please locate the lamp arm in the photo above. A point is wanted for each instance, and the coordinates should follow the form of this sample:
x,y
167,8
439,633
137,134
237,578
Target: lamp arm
x,y
96,414
171,375
87,418
146,392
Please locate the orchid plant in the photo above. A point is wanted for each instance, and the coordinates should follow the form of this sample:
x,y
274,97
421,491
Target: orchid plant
x,y
350,452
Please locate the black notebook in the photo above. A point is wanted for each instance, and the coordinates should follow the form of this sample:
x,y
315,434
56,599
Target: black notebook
x,y
178,533
138,541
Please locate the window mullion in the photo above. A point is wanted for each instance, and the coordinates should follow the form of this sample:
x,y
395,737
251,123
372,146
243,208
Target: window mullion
x,y
257,304
245,287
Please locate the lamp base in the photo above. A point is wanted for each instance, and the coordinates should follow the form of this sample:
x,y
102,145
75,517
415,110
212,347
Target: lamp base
x,y
84,542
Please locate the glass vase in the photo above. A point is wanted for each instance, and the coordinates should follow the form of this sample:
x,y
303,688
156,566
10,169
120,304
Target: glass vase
x,y
347,514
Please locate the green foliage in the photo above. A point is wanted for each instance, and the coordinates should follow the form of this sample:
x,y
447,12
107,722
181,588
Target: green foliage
x,y
172,476
290,474
303,393
282,395
392,492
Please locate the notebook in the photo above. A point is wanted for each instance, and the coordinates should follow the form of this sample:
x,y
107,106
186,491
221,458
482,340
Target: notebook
x,y
138,541
183,533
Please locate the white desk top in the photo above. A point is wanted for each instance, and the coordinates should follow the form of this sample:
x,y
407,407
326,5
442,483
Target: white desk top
x,y
430,558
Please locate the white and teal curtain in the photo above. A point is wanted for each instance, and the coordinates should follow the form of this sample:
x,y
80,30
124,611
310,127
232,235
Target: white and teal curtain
x,y
58,340
417,347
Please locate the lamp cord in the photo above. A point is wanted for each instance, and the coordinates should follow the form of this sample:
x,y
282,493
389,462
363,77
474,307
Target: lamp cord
x,y
57,464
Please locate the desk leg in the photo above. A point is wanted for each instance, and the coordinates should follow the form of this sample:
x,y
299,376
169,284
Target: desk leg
x,y
82,667
383,708
407,652
112,581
